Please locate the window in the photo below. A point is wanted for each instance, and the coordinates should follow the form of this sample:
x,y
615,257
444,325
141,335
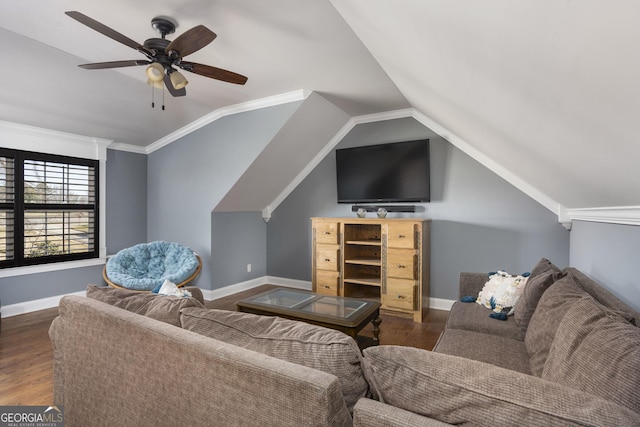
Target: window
x,y
48,208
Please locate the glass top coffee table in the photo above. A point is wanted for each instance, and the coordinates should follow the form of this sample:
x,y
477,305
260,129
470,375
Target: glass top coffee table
x,y
348,315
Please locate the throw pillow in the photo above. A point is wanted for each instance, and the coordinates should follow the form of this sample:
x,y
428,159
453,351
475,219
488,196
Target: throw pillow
x,y
309,345
502,291
597,350
160,307
551,308
543,275
461,391
543,266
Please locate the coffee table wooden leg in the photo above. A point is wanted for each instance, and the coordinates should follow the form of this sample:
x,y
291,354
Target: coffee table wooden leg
x,y
376,329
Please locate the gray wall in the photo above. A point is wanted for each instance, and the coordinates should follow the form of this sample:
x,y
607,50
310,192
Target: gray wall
x,y
126,200
189,177
126,223
237,239
29,287
480,222
608,253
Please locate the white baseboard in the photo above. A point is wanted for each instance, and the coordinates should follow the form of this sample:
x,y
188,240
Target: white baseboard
x,y
35,305
441,304
291,283
209,294
254,283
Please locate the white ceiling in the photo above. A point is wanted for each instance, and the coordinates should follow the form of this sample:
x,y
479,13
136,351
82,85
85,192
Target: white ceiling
x,y
548,89
281,46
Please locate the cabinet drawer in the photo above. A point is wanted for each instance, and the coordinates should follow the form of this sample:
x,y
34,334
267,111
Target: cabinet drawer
x,y
327,232
402,236
327,282
327,257
400,294
401,263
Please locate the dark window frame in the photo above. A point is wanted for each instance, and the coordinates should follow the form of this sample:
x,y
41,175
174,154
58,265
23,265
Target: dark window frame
x,y
18,207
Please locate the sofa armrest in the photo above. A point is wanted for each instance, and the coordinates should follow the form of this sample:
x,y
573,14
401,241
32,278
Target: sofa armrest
x,y
471,283
371,413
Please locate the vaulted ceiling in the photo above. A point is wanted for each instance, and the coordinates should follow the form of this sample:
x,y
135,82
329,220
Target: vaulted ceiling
x,y
545,92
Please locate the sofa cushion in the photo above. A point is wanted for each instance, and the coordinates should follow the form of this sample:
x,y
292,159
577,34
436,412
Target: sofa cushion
x,y
474,317
500,351
309,345
160,307
543,266
599,293
543,275
550,310
371,413
597,350
460,391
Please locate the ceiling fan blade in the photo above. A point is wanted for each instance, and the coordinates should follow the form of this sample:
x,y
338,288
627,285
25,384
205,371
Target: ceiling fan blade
x,y
191,41
214,72
103,29
114,64
173,91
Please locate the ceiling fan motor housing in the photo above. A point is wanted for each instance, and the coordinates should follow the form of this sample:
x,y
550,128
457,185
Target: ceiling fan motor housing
x,y
158,46
163,25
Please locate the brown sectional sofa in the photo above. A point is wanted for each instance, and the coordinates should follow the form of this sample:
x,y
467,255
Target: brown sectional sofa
x,y
117,365
570,355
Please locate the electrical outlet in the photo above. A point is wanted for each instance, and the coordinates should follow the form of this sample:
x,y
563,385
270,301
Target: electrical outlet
x,y
248,268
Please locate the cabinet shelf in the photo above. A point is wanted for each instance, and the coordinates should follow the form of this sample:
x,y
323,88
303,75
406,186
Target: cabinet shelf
x,y
371,242
364,261
369,281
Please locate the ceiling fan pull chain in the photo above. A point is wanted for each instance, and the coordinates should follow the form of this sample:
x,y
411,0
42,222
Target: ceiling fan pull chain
x,y
153,104
162,97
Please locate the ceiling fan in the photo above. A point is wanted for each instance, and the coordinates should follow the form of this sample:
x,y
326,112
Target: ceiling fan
x,y
163,55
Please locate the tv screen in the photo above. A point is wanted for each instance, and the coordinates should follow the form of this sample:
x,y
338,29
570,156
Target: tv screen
x,y
385,173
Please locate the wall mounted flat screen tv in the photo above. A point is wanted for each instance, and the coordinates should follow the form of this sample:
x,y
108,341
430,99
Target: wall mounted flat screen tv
x,y
384,173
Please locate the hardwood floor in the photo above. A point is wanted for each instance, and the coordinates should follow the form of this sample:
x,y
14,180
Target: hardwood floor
x,y
26,356
26,359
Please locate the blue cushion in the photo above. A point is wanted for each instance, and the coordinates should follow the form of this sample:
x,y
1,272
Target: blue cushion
x,y
147,265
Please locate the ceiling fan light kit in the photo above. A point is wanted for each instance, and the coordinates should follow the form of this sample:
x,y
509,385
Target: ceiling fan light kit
x,y
155,72
163,55
155,84
178,80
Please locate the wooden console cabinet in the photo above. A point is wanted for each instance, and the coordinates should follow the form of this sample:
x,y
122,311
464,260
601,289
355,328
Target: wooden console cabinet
x,y
373,258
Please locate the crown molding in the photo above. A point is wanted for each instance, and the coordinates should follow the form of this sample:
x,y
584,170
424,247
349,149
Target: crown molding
x,y
624,215
130,148
23,137
386,115
285,98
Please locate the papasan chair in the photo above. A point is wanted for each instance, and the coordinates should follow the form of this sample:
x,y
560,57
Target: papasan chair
x,y
146,266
